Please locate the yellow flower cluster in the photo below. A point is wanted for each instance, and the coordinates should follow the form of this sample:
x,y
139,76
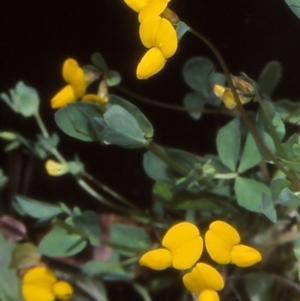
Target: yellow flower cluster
x,y
183,246
156,33
76,88
40,284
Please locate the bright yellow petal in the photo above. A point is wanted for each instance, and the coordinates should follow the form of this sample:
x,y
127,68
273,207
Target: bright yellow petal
x,y
55,168
219,241
148,31
37,283
136,5
208,295
94,98
74,75
158,259
244,256
166,38
153,8
35,293
219,90
62,290
228,99
63,97
203,277
151,63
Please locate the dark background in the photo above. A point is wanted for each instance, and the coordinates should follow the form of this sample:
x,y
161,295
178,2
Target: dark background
x,y
37,36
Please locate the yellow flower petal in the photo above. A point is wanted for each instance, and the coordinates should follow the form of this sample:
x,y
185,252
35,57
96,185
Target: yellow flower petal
x,y
136,5
37,283
158,259
153,8
203,277
219,90
63,97
74,75
62,290
219,241
228,99
148,31
94,98
185,244
55,168
208,295
151,63
244,256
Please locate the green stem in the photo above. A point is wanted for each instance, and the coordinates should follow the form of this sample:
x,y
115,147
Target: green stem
x,y
41,124
242,111
152,147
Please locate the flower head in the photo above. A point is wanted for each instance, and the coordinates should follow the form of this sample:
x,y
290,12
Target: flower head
x,y
55,168
222,244
40,284
183,246
205,281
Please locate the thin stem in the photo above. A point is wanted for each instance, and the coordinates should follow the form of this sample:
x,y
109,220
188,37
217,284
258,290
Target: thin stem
x,y
41,124
242,111
152,147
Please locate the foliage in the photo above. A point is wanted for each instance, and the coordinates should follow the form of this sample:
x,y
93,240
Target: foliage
x,y
251,181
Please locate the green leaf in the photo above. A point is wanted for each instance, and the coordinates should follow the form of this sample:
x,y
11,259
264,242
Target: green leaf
x,y
23,100
268,208
122,128
228,143
181,29
202,204
113,78
110,270
297,252
163,191
250,156
61,243
143,122
75,120
259,286
37,209
288,110
99,61
249,193
200,75
130,239
294,5
48,143
142,291
88,223
270,77
195,102
10,283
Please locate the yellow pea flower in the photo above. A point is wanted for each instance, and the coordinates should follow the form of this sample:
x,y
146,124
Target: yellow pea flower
x,y
55,168
183,246
222,244
158,34
73,75
204,280
40,284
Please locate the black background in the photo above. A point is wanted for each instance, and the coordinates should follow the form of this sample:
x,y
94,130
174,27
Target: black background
x,y
37,36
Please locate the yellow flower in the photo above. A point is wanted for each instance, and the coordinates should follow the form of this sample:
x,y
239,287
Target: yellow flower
x,y
183,246
75,76
40,284
222,244
204,280
158,34
55,168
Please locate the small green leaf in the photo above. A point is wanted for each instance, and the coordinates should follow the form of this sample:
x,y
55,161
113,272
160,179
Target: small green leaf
x,y
259,286
122,128
144,123
250,156
61,243
228,143
75,120
129,239
270,77
249,193
288,110
142,291
181,29
113,78
268,208
194,102
294,5
38,209
88,223
23,100
163,191
99,61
